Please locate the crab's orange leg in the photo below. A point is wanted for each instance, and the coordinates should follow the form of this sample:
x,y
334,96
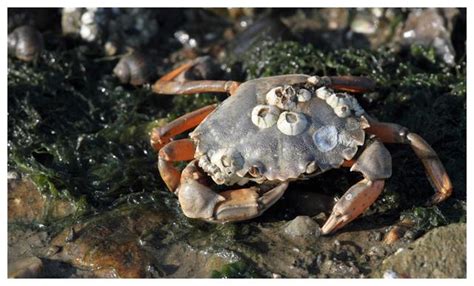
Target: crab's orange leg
x,y
351,83
394,133
353,203
177,71
162,135
376,165
179,150
196,86
166,85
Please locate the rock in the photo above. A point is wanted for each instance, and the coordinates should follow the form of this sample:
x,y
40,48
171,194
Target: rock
x,y
27,205
29,267
441,253
302,226
427,27
109,246
340,269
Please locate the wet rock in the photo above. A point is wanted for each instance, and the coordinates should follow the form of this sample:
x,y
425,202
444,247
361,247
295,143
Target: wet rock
x,y
25,268
302,226
109,246
340,269
441,253
26,204
25,243
377,251
427,27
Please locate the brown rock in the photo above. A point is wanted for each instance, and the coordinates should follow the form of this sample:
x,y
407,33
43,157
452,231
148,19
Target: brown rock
x,y
441,253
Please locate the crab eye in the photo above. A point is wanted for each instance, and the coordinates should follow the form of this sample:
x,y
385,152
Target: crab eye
x,y
254,171
265,116
291,123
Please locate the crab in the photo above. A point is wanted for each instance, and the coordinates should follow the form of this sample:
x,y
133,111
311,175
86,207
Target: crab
x,y
270,131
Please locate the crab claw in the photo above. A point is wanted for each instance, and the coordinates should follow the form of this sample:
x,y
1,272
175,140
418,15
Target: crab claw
x,y
197,200
354,202
243,204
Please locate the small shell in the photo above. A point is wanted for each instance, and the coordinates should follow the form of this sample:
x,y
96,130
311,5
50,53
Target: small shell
x,y
303,95
282,97
25,43
292,123
133,69
323,93
265,116
325,138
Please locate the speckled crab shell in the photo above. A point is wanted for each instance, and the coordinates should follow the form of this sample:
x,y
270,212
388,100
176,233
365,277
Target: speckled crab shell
x,y
268,154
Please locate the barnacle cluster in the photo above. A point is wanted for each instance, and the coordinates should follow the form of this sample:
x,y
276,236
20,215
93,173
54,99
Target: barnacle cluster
x,y
342,103
280,109
222,165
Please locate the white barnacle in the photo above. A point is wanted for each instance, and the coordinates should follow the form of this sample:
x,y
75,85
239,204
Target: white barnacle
x,y
325,138
341,103
323,93
333,100
303,95
265,116
314,80
342,110
284,97
292,123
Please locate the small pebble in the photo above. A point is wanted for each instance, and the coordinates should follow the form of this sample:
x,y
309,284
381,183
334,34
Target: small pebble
x,y
302,226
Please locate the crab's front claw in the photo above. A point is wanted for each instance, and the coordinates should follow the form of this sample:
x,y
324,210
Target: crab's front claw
x,y
197,200
243,204
354,202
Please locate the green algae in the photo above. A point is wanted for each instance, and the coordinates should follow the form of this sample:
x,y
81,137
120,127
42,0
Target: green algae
x,y
238,269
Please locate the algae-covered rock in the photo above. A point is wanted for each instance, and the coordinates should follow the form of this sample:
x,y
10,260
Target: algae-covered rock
x,y
441,253
26,204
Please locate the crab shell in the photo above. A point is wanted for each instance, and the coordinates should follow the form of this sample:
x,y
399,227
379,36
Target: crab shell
x,y
267,154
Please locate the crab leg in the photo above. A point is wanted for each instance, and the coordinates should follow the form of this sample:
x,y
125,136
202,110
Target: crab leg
x,y
376,165
354,202
179,150
197,200
162,135
166,85
394,133
196,86
351,83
